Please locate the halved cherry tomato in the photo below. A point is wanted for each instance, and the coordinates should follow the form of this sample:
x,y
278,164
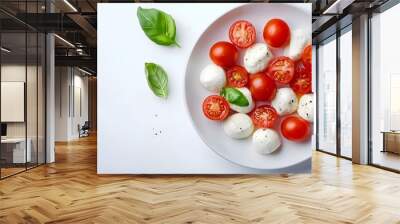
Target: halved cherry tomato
x,y
237,76
281,69
224,54
264,116
301,85
242,34
301,82
300,70
276,33
306,56
295,128
262,87
215,108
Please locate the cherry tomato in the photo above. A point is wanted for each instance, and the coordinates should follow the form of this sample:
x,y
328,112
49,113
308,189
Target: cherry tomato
x,y
281,69
237,76
306,56
262,87
276,33
301,82
215,108
224,54
242,34
300,70
264,116
295,128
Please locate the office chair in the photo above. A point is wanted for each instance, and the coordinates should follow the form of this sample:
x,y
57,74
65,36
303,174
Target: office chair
x,y
84,130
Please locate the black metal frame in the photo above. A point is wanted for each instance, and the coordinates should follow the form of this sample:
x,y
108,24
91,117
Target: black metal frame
x,y
369,97
44,70
0,89
338,98
316,96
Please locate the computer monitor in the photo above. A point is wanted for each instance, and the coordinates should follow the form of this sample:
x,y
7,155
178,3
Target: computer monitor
x,y
3,129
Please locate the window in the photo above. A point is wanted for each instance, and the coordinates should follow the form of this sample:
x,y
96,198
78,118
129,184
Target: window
x,y
327,96
346,92
385,89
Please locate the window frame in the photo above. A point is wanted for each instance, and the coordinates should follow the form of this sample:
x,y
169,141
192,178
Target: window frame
x,y
381,9
334,37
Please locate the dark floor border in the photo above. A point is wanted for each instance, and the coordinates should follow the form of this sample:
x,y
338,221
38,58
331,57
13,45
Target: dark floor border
x,y
333,154
22,171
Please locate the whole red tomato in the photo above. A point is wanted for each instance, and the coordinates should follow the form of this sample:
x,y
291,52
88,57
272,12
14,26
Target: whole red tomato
x,y
262,87
276,33
224,54
295,128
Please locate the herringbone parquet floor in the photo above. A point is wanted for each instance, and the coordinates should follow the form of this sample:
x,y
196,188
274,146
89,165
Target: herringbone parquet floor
x,y
69,191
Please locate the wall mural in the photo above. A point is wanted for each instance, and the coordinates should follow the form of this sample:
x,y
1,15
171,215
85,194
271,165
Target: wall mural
x,y
204,88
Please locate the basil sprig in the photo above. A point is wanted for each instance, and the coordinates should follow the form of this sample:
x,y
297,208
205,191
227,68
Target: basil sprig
x,y
157,79
158,26
234,96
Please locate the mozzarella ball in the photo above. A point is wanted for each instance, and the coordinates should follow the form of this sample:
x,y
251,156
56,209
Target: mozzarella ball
x,y
257,57
285,101
212,77
298,41
266,141
246,92
238,126
306,107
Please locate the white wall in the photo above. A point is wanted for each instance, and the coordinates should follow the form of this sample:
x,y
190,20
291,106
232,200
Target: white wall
x,y
69,112
79,117
62,81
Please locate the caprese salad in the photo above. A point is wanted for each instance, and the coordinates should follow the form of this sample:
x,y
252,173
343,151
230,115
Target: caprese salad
x,y
265,95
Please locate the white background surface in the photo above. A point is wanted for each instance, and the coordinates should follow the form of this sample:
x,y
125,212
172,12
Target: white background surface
x,y
129,115
12,101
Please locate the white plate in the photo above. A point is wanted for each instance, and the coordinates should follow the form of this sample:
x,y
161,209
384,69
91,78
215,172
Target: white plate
x,y
240,151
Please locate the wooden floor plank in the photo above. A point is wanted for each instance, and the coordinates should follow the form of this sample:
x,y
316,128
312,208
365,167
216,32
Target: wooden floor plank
x,y
70,191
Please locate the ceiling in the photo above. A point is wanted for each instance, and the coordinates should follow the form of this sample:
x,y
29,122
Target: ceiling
x,y
75,22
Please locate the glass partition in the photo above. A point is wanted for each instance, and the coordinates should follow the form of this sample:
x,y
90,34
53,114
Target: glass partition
x,y
327,96
346,93
32,95
23,89
14,155
385,89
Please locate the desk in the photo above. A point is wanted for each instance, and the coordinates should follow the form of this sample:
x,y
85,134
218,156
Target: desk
x,y
17,150
391,141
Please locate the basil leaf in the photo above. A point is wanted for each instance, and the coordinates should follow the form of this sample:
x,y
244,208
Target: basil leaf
x,y
158,26
234,96
157,79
